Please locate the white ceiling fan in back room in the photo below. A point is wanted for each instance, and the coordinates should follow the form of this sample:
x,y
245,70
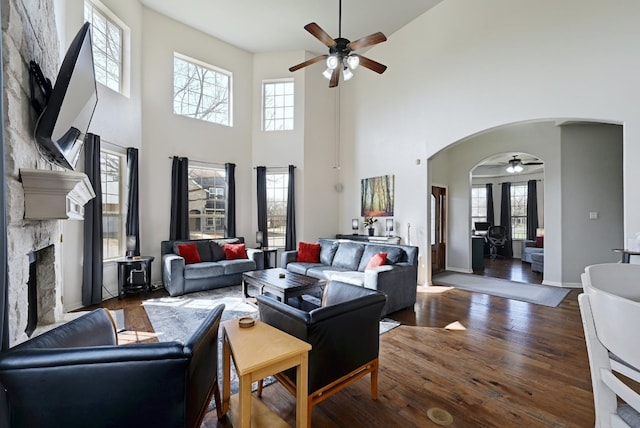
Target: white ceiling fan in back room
x,y
341,58
516,164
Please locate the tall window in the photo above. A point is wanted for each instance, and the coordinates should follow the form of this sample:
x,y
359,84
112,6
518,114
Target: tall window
x,y
207,202
107,41
201,91
478,204
277,190
112,169
519,211
277,105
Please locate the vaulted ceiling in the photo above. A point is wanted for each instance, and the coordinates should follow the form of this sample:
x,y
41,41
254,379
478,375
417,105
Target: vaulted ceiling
x,y
260,26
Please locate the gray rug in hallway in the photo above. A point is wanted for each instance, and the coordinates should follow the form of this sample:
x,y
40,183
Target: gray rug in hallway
x,y
531,293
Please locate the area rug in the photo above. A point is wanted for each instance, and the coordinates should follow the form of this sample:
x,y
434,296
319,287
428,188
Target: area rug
x,y
176,318
531,293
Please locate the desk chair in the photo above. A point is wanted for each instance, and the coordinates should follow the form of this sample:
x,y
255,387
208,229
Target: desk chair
x,y
496,238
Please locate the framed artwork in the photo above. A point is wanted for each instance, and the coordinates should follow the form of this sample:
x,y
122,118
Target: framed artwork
x,y
376,196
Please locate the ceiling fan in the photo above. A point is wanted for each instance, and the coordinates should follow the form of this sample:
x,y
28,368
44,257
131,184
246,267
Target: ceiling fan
x,y
341,57
515,164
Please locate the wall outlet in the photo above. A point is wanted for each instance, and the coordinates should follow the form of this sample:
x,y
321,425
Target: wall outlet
x,y
593,215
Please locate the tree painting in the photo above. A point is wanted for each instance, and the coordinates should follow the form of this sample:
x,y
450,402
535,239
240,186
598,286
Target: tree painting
x,y
376,196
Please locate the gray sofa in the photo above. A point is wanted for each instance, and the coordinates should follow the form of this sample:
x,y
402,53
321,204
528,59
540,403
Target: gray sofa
x,y
214,271
344,261
529,248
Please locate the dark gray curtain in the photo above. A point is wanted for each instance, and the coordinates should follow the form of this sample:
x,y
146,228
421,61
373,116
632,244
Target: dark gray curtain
x,y
92,264
230,169
505,219
179,227
532,209
132,226
290,239
490,212
261,190
4,277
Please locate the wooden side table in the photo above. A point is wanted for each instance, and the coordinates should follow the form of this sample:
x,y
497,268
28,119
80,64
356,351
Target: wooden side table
x,y
258,352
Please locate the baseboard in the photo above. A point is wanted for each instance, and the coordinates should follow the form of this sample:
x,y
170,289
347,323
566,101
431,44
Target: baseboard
x,y
459,270
562,284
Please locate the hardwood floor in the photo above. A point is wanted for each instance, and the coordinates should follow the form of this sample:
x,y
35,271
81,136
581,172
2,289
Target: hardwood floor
x,y
512,269
514,364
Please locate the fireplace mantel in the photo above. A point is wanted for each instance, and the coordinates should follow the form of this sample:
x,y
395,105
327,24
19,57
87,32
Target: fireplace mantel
x,y
50,195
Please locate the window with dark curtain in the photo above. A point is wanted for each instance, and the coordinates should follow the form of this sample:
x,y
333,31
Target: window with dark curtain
x,y
133,211
179,227
92,265
532,209
230,211
261,191
290,241
490,212
505,218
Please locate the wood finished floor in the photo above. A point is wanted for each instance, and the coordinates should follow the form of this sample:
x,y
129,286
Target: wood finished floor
x,y
515,365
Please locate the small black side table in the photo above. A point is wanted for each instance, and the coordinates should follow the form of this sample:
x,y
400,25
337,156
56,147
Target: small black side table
x,y
125,266
270,254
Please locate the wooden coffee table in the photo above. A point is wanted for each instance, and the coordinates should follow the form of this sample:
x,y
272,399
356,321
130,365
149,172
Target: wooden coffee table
x,y
269,280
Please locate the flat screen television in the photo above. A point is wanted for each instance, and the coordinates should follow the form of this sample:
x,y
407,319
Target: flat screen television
x,y
70,105
482,226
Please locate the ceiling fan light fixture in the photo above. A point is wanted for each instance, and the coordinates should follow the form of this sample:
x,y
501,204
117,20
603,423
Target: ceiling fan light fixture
x,y
346,73
510,169
353,61
327,73
332,62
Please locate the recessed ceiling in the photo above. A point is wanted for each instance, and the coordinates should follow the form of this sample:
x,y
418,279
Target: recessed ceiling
x,y
260,26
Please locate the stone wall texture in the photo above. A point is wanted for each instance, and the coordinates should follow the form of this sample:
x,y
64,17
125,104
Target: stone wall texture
x,y
29,33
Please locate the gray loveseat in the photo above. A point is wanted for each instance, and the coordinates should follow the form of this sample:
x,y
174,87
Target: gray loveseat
x,y
214,270
344,261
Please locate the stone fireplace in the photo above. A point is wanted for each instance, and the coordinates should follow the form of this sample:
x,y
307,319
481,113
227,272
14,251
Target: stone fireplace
x,y
29,33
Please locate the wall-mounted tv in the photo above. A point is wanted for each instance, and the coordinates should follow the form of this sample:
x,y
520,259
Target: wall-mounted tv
x,y
70,104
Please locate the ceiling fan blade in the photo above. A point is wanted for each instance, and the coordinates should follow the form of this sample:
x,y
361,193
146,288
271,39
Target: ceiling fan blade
x,y
533,163
308,62
335,77
372,39
371,64
320,34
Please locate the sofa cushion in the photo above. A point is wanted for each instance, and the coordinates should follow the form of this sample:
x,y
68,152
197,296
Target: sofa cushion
x,y
217,253
324,272
235,251
394,254
328,251
237,266
300,267
348,255
204,249
190,253
309,253
349,277
539,241
378,260
203,270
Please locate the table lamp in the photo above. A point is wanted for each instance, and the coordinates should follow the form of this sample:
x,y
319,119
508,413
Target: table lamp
x,y
259,238
355,225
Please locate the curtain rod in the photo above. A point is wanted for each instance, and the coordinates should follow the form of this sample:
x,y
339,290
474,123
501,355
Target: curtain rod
x,y
275,167
199,161
518,182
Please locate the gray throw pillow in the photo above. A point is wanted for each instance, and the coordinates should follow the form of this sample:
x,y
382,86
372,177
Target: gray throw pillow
x,y
348,255
217,252
205,251
327,252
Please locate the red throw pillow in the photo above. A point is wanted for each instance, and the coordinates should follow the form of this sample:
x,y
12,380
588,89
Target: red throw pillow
x,y
309,253
377,260
189,252
235,251
539,241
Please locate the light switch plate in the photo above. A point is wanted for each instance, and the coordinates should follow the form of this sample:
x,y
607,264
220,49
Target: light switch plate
x,y
593,215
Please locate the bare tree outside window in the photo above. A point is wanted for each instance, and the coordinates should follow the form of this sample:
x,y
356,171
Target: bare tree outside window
x,y
519,211
478,204
201,92
106,40
111,178
277,105
207,202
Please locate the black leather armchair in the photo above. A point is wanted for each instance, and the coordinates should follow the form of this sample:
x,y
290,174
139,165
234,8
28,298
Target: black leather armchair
x,y
76,376
343,333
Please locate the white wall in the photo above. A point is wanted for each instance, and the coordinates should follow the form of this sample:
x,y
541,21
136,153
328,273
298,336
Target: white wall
x,y
117,119
465,67
166,135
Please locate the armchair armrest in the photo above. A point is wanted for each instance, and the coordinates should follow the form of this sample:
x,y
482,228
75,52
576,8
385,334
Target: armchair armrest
x,y
173,274
257,255
288,257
